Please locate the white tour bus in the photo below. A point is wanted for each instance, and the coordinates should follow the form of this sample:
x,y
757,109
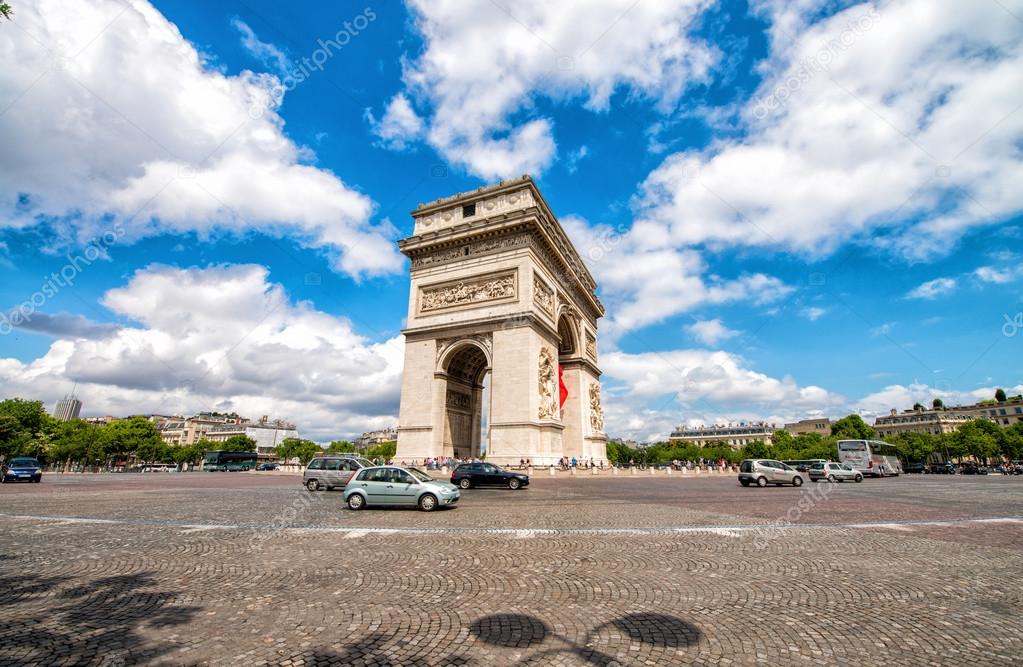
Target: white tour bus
x,y
870,457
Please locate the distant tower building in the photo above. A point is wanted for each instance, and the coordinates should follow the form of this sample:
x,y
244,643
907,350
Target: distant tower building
x,y
67,408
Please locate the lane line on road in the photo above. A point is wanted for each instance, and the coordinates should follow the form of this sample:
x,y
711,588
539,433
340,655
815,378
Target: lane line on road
x,y
732,530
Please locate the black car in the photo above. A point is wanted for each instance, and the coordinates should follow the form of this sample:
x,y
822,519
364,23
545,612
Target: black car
x,y
915,467
22,469
974,470
469,475
268,466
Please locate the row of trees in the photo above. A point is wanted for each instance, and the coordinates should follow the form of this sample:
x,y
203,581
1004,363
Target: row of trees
x,y
980,439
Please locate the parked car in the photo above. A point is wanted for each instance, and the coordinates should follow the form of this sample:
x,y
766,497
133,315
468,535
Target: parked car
x,y
268,466
22,469
915,467
834,472
974,470
395,485
768,471
328,472
942,469
469,475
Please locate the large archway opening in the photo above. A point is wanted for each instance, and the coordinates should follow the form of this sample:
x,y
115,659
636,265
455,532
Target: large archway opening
x,y
465,411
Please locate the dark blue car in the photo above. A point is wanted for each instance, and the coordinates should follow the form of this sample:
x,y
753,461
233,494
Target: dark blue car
x,y
22,469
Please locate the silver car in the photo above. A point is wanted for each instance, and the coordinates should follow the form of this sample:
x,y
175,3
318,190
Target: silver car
x,y
768,471
834,472
394,485
328,472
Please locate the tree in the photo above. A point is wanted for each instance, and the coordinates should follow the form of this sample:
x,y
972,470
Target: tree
x,y
24,428
6,11
917,407
978,438
852,427
758,450
385,450
239,443
1000,395
298,448
340,447
125,437
938,404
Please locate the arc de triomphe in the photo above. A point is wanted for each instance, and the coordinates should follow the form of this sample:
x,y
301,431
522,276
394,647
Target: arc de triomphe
x,y
499,296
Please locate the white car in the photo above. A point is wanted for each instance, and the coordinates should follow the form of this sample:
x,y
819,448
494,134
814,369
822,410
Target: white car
x,y
834,472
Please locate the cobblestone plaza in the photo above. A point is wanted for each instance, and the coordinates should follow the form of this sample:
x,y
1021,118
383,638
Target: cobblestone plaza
x,y
232,568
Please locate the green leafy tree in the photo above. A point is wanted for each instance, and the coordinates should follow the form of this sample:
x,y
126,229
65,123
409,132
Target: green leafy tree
x,y
298,448
341,447
938,404
385,450
758,450
852,427
6,11
978,438
25,428
1000,395
239,443
127,437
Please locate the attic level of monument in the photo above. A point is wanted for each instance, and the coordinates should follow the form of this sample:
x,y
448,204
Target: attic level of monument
x,y
511,214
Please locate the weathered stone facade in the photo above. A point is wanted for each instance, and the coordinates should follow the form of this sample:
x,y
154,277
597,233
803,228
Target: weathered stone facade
x,y
498,290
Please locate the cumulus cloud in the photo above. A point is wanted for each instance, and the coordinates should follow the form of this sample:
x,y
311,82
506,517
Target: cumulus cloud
x,y
710,332
91,139
643,281
400,124
224,337
484,61
904,396
900,116
932,289
711,386
813,313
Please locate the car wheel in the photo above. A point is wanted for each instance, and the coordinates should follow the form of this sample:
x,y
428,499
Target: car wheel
x,y
465,483
858,478
744,482
797,481
514,483
356,501
312,485
428,502
831,478
761,482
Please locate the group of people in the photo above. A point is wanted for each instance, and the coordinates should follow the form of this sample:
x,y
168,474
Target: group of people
x,y
566,463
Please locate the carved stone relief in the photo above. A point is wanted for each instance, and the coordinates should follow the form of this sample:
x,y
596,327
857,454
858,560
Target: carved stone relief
x,y
470,250
548,385
596,412
457,399
543,295
467,292
591,345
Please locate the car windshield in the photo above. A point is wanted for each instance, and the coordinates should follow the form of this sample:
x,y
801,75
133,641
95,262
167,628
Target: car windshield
x,y
24,463
817,466
420,475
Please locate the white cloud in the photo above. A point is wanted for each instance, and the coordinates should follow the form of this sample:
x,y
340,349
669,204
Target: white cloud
x,y
710,332
813,313
932,289
902,397
883,329
170,146
998,276
576,156
400,124
484,61
265,52
643,281
220,337
706,385
904,116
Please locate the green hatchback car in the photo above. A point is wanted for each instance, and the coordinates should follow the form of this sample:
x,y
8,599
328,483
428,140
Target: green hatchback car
x,y
395,485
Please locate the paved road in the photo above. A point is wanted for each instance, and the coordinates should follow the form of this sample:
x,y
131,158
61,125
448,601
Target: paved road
x,y
228,568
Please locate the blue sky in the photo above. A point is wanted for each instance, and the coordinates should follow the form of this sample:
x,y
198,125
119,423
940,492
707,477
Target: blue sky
x,y
791,210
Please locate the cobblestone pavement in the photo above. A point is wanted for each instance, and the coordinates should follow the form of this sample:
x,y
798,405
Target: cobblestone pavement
x,y
222,568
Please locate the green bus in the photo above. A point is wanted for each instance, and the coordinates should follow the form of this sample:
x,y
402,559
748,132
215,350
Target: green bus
x,y
221,461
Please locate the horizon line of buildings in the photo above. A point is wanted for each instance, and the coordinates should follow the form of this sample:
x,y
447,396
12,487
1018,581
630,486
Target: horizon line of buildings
x,y
933,421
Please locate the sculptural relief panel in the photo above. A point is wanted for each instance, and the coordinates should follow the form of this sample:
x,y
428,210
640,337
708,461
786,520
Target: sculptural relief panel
x,y
548,384
467,292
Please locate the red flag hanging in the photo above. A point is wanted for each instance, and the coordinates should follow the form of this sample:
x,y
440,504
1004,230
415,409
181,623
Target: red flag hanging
x,y
562,389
